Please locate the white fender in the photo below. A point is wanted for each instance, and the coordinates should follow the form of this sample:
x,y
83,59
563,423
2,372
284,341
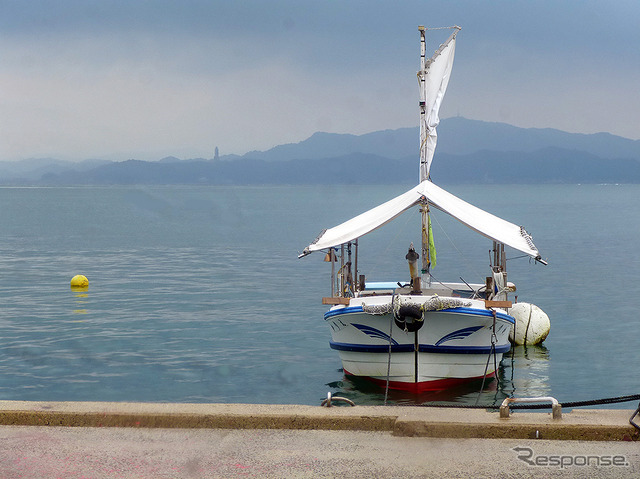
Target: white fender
x,y
532,324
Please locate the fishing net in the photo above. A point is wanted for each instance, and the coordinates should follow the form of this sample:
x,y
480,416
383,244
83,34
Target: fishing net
x,y
434,303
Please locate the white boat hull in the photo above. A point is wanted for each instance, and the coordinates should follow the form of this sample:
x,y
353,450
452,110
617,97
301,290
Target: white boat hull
x,y
453,346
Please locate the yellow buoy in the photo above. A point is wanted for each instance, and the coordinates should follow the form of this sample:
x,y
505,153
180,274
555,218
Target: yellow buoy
x,y
79,281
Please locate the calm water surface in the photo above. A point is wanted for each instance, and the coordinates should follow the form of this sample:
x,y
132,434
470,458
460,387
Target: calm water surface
x,y
197,295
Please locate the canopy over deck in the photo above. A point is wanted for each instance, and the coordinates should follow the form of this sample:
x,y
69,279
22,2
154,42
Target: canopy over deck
x,y
479,220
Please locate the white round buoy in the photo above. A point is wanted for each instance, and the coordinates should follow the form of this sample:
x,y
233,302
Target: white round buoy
x,y
79,281
532,324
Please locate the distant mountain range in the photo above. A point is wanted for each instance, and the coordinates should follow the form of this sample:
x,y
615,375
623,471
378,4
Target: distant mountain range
x,y
469,151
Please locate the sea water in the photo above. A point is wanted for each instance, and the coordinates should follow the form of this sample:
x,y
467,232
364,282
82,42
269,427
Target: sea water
x,y
197,295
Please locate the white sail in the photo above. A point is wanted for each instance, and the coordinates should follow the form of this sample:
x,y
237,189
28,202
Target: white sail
x,y
433,80
479,220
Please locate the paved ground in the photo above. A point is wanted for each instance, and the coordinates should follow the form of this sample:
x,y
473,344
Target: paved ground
x,y
130,440
67,452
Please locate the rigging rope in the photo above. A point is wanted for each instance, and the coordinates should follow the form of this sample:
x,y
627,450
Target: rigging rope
x,y
468,262
374,265
442,28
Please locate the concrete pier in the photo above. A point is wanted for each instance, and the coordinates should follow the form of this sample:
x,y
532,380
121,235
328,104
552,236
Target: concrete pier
x,y
579,424
105,440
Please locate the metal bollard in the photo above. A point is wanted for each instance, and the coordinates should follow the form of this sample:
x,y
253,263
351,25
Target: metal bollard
x,y
556,408
637,411
327,402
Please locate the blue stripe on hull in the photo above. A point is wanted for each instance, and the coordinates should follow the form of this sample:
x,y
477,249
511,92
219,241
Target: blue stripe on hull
x,y
468,311
372,348
500,348
347,310
423,348
482,312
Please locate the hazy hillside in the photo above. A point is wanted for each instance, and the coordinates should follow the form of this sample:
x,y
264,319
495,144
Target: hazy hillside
x,y
456,136
460,136
469,151
549,165
387,143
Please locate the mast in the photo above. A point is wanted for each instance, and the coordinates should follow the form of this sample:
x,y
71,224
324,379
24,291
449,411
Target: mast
x,y
423,102
438,70
433,79
423,113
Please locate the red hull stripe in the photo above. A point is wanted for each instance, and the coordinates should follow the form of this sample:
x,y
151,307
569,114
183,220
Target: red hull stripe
x,y
423,386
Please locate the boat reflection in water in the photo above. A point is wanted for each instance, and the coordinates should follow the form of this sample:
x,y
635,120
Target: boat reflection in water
x,y
527,368
524,371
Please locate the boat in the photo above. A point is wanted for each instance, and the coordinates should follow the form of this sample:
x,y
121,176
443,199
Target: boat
x,y
421,334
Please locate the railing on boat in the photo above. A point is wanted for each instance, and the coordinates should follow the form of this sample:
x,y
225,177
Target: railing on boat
x,y
346,282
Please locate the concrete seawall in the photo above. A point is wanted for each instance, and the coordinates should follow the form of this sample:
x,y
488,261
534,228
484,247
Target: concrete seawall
x,y
585,424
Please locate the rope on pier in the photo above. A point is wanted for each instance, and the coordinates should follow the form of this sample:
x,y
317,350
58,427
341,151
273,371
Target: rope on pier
x,y
569,404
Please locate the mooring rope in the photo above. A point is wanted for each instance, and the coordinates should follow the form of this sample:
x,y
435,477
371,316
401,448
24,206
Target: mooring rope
x,y
386,389
568,404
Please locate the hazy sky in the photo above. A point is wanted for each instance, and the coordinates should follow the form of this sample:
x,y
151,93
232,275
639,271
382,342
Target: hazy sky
x,y
147,79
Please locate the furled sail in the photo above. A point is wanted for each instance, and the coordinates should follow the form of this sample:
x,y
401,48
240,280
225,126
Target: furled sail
x,y
479,220
433,79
